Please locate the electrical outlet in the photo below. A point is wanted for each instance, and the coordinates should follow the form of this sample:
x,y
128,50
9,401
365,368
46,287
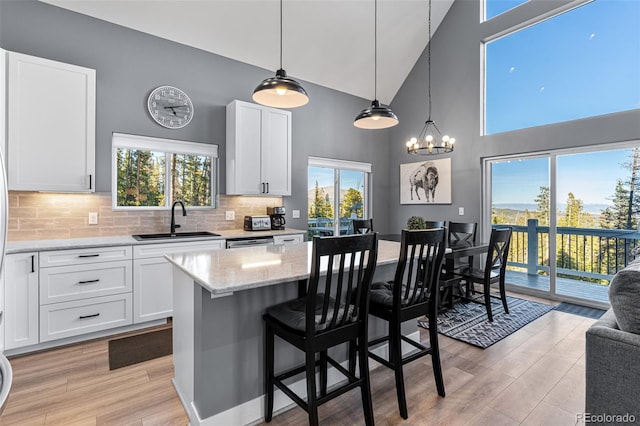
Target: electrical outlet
x,y
230,215
295,214
461,211
93,218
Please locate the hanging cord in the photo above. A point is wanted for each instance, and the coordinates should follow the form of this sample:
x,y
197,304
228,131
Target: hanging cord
x,y
429,61
280,34
375,50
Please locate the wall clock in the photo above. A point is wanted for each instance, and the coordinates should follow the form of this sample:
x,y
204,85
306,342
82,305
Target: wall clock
x,y
170,107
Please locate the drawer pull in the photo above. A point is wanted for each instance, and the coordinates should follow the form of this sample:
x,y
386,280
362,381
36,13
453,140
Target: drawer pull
x,y
89,281
89,316
89,255
289,239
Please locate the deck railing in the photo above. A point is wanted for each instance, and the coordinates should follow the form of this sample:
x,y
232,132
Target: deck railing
x,y
589,253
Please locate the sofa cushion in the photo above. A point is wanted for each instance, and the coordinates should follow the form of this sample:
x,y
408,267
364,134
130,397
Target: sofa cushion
x,y
624,296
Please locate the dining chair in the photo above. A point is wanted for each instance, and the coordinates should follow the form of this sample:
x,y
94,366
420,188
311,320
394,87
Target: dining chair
x,y
460,233
334,311
494,269
412,294
362,226
432,224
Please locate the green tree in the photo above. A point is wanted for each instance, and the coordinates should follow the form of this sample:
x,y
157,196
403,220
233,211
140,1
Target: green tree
x,y
616,216
352,203
320,206
542,212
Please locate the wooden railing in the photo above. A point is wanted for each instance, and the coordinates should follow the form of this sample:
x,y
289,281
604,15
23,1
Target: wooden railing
x,y
593,254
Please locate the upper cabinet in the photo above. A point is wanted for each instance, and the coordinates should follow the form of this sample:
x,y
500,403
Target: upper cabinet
x,y
258,150
50,125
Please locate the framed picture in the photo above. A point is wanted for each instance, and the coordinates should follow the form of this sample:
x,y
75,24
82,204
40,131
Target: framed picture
x,y
426,182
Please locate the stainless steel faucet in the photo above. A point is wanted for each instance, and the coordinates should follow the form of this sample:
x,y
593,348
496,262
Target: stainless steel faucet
x,y
173,216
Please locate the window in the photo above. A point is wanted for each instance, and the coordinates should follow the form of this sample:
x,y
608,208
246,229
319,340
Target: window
x,y
582,63
152,173
350,181
494,8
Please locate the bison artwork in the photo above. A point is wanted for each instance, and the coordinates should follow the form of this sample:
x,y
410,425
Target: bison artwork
x,y
425,177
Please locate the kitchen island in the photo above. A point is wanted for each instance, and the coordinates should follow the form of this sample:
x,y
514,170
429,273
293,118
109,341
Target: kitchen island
x,y
219,299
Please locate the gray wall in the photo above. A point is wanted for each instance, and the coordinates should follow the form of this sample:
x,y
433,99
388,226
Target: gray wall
x,y
456,89
130,64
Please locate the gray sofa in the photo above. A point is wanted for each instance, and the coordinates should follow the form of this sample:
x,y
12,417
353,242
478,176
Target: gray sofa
x,y
612,372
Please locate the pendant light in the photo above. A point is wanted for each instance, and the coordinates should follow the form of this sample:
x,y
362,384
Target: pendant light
x,y
376,116
280,91
430,141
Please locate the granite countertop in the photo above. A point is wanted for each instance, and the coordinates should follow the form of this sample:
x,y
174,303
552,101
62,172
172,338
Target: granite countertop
x,y
78,243
225,271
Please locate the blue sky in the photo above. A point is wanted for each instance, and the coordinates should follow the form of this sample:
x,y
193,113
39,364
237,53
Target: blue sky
x,y
582,63
324,176
520,181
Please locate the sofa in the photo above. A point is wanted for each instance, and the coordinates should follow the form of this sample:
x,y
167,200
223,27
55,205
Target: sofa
x,y
613,355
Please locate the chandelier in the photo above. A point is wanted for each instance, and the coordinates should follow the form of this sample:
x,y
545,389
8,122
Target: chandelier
x,y
430,140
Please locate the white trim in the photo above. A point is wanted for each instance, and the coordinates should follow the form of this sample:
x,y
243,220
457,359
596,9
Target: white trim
x,y
339,164
122,140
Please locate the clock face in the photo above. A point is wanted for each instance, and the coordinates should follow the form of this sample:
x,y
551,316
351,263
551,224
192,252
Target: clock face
x,y
170,107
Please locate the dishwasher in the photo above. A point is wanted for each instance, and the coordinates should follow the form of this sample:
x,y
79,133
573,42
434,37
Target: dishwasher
x,y
234,243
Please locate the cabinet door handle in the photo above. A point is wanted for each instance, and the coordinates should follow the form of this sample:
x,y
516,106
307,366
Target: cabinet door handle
x,y
267,187
89,281
90,181
89,316
33,263
263,187
89,255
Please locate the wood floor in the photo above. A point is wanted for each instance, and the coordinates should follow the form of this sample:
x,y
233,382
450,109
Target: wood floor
x,y
535,376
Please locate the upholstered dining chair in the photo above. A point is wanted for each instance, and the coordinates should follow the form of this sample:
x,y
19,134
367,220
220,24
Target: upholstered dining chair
x,y
494,269
412,294
362,226
335,311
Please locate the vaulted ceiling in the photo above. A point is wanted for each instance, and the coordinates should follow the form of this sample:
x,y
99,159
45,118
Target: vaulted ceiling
x,y
326,42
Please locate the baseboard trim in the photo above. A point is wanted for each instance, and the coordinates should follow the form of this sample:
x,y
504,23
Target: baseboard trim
x,y
252,412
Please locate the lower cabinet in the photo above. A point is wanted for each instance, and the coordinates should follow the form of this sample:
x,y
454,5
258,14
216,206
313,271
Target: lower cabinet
x,y
153,277
67,319
21,300
288,239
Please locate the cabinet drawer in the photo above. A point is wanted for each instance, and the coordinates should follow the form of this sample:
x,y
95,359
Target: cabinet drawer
x,y
67,319
80,256
66,283
159,250
288,239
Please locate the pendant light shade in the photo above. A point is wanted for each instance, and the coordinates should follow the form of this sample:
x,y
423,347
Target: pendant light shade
x,y
280,91
376,116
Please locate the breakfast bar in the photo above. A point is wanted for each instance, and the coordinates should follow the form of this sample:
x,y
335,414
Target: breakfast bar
x,y
219,299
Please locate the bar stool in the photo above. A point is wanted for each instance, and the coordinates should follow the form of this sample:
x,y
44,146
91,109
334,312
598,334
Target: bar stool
x,y
333,312
412,294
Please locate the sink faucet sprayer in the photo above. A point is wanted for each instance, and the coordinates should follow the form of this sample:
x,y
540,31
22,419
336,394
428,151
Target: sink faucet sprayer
x,y
173,216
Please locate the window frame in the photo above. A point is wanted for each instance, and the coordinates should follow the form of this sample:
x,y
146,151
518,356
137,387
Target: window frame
x,y
337,165
167,146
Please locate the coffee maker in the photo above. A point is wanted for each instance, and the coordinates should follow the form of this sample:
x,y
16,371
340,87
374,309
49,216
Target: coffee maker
x,y
277,217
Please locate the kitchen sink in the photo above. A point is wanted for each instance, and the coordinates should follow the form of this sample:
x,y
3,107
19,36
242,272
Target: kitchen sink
x,y
176,236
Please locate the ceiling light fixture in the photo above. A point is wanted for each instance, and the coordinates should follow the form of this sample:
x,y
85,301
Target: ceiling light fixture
x,y
376,116
430,141
280,91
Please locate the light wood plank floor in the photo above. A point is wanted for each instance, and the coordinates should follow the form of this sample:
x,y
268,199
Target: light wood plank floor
x,y
533,377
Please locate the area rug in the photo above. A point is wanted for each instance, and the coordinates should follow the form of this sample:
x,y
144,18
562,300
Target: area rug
x,y
583,311
140,347
468,321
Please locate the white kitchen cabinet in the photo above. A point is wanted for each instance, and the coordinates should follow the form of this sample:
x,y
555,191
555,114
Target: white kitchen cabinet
x,y
258,150
50,125
288,239
21,300
153,277
84,291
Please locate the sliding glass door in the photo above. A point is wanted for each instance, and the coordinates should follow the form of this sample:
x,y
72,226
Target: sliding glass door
x,y
574,216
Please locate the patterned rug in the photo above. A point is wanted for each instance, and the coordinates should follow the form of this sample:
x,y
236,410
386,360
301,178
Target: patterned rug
x,y
468,321
583,311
